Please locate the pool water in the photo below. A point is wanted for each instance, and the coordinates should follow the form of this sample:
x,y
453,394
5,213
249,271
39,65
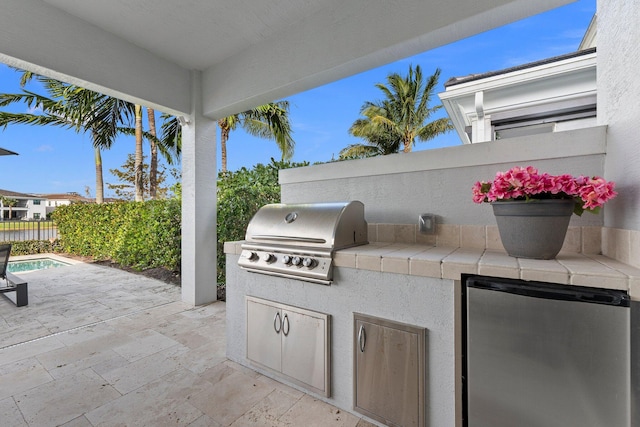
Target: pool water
x,y
34,264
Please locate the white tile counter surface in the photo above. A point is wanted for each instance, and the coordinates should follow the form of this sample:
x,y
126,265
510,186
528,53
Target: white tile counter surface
x,y
450,263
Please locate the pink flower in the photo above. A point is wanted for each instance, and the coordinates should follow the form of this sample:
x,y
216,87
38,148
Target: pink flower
x,y
595,192
522,183
478,195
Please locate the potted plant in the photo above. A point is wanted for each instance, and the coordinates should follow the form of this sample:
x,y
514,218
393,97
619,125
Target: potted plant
x,y
533,209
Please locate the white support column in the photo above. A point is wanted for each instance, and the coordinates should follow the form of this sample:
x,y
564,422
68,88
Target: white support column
x,y
198,202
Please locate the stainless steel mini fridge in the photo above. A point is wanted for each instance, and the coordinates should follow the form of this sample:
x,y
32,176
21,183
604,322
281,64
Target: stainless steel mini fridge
x,y
545,355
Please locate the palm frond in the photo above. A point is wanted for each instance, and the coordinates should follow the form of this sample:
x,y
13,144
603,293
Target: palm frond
x,y
271,121
169,148
171,137
29,119
359,151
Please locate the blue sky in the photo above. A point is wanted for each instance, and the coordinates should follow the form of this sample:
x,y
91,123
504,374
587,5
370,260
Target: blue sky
x,y
54,160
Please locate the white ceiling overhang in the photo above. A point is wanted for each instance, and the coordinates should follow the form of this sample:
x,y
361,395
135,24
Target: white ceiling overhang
x,y
248,51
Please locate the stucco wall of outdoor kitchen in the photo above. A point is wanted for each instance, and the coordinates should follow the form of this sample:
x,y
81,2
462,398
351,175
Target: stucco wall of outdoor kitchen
x,y
397,188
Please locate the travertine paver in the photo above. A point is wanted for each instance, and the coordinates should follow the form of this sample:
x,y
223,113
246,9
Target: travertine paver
x,y
312,412
22,375
268,411
62,400
231,397
10,414
101,347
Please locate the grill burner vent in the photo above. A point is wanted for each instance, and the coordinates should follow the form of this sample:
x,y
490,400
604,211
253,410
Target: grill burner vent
x,y
298,240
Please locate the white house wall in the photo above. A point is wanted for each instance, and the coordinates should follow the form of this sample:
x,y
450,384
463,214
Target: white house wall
x,y
619,106
40,209
547,87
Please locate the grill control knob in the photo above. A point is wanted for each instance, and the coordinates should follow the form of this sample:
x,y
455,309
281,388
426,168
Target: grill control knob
x,y
268,258
286,259
309,262
296,260
252,256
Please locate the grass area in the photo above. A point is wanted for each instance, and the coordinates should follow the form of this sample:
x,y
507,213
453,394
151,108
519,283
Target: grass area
x,y
17,225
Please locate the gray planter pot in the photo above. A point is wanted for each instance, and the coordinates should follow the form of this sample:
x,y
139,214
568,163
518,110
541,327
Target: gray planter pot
x,y
534,229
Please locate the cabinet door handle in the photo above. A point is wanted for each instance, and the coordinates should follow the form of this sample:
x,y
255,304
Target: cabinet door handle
x,y
277,322
362,338
285,325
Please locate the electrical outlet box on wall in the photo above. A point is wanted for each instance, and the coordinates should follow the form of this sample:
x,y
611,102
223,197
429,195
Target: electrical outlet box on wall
x,y
427,223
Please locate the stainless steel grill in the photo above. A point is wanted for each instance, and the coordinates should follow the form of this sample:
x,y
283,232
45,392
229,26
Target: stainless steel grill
x,y
298,240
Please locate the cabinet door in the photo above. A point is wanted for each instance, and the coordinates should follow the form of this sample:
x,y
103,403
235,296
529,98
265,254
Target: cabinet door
x,y
264,324
389,365
305,357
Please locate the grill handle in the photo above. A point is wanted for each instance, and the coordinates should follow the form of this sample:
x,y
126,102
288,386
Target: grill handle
x,y
277,322
288,239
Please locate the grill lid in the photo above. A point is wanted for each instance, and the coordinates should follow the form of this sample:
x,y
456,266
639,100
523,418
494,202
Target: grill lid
x,y
298,241
329,226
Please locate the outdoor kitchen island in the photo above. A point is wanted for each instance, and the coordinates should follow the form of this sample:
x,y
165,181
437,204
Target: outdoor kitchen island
x,y
413,284
416,279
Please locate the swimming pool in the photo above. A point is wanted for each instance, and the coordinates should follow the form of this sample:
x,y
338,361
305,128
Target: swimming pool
x,y
34,264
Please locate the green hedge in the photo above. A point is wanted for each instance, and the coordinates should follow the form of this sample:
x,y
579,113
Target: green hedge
x,y
29,247
146,235
240,195
139,235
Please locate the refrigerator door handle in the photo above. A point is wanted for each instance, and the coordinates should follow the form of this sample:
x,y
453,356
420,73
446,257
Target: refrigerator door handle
x,y
553,291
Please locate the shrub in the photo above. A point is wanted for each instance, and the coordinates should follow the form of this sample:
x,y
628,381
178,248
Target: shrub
x,y
138,235
240,195
29,247
146,235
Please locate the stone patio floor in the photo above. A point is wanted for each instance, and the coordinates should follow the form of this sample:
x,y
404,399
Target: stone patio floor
x,y
97,346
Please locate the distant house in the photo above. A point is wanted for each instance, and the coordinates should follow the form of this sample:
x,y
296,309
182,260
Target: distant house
x,y
34,206
55,200
551,95
28,206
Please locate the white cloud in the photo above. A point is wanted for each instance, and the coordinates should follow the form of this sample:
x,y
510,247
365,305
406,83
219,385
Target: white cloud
x,y
44,148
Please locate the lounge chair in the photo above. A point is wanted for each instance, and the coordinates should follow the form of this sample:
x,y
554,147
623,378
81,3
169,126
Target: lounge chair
x,y
13,282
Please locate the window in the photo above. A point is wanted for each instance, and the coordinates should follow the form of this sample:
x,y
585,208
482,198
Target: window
x,y
36,202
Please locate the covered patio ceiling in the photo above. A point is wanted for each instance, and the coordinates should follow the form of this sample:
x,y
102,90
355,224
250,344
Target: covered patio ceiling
x,y
248,51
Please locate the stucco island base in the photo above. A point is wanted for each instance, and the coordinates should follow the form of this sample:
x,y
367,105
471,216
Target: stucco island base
x,y
422,301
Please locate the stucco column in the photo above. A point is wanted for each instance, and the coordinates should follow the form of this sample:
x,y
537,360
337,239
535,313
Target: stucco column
x,y
198,202
618,107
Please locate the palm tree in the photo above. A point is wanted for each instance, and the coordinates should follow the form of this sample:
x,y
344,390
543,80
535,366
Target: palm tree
x,y
138,181
72,107
269,121
8,202
153,162
400,119
168,144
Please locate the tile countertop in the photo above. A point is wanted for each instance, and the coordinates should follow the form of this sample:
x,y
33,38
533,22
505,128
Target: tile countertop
x,y
450,263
